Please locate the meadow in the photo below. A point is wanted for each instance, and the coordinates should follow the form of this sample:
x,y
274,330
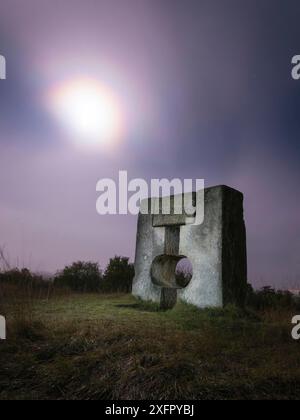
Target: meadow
x,y
72,346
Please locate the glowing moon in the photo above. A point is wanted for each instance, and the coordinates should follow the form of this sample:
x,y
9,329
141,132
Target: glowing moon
x,y
88,109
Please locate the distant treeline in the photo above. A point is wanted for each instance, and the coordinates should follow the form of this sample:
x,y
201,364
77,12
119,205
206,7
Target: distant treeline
x,y
83,277
87,277
269,298
23,278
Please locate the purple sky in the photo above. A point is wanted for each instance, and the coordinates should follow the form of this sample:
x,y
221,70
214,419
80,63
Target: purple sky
x,y
207,91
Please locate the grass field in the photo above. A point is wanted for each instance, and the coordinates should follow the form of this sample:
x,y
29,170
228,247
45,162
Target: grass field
x,y
115,347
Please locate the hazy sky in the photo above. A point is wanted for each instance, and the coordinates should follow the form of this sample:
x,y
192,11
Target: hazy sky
x,y
206,91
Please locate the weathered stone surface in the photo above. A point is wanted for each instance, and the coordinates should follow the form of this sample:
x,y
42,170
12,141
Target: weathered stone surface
x,y
216,249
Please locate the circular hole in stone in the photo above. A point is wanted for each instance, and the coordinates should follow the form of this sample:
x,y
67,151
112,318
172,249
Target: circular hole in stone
x,y
184,272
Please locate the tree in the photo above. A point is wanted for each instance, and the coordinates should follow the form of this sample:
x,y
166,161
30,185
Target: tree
x,y
80,277
118,275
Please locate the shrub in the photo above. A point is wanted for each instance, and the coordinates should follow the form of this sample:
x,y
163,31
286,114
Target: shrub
x,y
118,276
80,277
24,282
269,298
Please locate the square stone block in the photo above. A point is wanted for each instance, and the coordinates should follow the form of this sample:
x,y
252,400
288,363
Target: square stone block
x,y
216,249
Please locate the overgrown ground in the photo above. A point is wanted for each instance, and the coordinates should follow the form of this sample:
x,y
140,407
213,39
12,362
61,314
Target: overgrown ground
x,y
115,347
